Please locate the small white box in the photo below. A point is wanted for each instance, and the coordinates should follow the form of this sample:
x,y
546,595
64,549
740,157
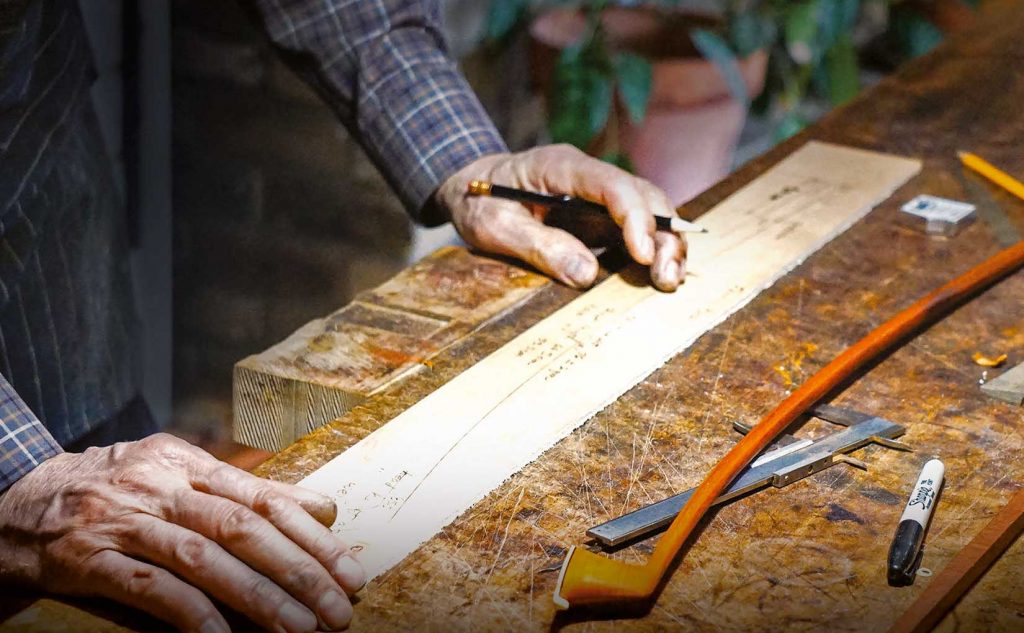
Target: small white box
x,y
939,216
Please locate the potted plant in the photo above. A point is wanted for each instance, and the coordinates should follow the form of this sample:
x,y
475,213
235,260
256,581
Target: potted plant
x,y
637,85
634,84
664,87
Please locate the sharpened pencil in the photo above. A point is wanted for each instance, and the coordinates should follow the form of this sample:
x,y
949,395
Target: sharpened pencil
x,y
482,188
993,173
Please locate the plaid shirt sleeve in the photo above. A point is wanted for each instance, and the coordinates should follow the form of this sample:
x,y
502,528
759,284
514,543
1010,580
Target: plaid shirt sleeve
x,y
383,65
25,442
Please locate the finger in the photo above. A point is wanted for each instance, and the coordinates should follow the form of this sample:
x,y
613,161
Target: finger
x,y
669,248
628,206
206,565
568,170
666,270
509,229
258,543
262,496
153,590
284,524
320,507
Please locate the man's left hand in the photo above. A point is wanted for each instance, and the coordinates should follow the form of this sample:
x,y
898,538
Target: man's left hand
x,y
509,228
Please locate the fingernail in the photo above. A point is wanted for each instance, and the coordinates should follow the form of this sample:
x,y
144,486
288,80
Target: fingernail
x,y
647,248
335,610
296,619
350,573
580,271
670,274
214,625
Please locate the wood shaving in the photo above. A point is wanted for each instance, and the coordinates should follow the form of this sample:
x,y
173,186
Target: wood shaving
x,y
985,361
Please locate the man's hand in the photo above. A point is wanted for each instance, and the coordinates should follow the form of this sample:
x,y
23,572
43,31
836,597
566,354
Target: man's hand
x,y
509,228
156,523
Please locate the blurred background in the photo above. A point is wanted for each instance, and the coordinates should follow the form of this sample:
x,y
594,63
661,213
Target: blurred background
x,y
255,212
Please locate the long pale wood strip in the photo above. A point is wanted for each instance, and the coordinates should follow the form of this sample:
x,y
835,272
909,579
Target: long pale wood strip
x,y
946,589
406,481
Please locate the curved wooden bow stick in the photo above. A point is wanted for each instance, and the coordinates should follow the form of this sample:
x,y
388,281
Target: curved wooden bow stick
x,y
589,578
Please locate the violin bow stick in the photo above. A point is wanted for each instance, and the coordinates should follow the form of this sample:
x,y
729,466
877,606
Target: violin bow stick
x,y
590,578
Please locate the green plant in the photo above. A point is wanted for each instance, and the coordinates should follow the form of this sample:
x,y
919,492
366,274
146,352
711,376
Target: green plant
x,y
810,43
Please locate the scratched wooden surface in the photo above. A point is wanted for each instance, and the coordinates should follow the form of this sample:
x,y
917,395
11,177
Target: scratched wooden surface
x,y
811,556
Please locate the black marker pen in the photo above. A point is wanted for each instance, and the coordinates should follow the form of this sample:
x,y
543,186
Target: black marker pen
x,y
904,554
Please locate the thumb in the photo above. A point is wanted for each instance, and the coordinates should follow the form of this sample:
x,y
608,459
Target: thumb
x,y
509,229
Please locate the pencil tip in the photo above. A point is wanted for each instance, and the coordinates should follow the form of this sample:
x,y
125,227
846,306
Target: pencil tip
x,y
703,230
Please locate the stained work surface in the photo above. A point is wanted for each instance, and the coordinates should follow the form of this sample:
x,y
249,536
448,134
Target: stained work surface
x,y
811,556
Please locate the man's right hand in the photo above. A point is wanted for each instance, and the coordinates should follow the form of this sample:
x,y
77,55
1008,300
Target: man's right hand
x,y
160,524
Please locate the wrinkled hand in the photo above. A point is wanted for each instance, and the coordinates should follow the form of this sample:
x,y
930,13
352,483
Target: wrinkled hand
x,y
156,523
509,228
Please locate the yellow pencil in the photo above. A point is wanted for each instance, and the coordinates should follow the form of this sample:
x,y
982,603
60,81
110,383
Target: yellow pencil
x,y
993,173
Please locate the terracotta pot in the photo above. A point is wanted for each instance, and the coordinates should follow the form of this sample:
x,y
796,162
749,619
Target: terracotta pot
x,y
686,142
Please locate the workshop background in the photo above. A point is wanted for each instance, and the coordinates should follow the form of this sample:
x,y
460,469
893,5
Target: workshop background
x,y
256,212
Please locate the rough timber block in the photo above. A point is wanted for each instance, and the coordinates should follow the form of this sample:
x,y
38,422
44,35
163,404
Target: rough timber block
x,y
385,335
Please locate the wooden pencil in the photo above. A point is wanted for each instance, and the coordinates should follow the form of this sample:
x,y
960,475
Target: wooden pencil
x,y
993,173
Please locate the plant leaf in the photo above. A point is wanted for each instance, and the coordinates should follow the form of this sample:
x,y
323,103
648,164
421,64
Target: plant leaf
x,y
633,75
836,18
801,31
717,51
849,11
917,35
843,71
619,159
790,125
503,16
750,31
581,99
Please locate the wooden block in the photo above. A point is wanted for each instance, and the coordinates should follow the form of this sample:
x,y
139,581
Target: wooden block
x,y
329,365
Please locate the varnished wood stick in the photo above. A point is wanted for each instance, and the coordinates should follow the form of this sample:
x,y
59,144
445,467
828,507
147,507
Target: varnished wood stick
x,y
589,578
946,589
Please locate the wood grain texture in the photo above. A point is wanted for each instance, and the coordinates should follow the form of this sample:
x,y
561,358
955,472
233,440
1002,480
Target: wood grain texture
x,y
589,578
964,570
386,334
810,557
413,476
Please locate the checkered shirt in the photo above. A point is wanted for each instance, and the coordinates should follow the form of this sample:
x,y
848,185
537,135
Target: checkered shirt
x,y
25,442
381,64
384,67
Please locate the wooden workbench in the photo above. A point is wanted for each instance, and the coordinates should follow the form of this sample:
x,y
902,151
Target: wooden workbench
x,y
811,556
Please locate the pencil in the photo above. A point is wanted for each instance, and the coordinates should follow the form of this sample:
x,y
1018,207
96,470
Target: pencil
x,y
993,173
482,188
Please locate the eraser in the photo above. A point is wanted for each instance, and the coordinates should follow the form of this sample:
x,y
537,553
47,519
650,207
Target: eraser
x,y
937,216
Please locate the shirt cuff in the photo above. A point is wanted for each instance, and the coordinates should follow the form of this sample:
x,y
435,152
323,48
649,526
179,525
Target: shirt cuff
x,y
419,119
24,441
